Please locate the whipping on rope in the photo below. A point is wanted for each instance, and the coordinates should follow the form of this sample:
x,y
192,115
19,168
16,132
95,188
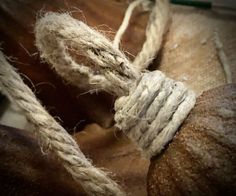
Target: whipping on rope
x,y
150,107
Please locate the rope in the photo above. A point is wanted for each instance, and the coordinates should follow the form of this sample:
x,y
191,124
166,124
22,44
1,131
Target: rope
x,y
155,30
151,114
223,58
150,107
51,134
125,22
60,38
157,25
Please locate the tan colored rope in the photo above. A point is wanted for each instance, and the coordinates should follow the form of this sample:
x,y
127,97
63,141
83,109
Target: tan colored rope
x,y
157,26
125,22
150,107
50,134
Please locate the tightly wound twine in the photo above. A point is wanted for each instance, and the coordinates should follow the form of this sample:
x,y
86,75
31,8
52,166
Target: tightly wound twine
x,y
149,109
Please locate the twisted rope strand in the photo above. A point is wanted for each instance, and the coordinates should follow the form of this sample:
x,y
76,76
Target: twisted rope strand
x,y
50,133
150,107
157,25
125,22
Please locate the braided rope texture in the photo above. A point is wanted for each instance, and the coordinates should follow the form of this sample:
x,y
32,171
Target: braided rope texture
x,y
62,40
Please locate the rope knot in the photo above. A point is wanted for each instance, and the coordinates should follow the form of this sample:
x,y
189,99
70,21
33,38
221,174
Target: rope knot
x,y
150,107
152,112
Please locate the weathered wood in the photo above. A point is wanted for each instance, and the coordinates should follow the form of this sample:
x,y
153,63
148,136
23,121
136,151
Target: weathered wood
x,y
26,169
189,53
201,160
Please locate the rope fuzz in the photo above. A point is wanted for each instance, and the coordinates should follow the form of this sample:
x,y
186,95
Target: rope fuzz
x,y
152,112
51,134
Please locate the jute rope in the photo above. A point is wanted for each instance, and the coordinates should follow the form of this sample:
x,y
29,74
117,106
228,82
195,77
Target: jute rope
x,y
157,25
52,135
151,107
155,30
125,23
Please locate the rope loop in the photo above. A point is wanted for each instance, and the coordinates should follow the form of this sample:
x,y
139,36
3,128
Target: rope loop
x,y
65,43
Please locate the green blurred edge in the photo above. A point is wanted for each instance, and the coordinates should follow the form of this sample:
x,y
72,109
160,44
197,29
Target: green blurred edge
x,y
200,4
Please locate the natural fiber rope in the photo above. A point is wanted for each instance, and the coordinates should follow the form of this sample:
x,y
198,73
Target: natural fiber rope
x,y
151,107
52,135
125,21
155,30
62,40
157,25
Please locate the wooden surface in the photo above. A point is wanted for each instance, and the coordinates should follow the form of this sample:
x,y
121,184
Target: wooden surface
x,y
188,55
201,160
